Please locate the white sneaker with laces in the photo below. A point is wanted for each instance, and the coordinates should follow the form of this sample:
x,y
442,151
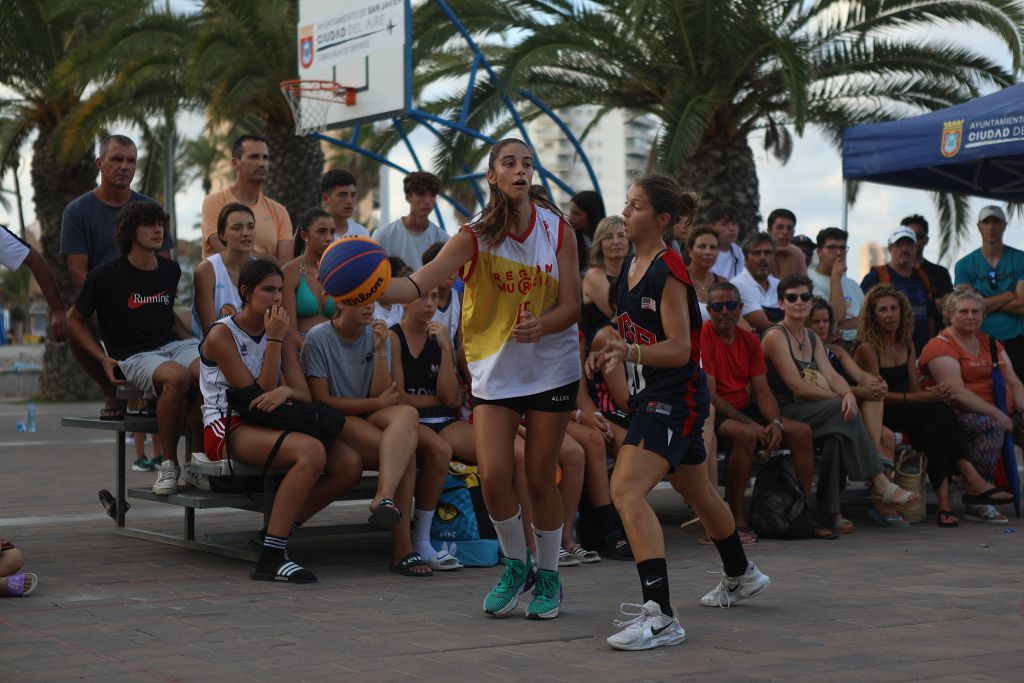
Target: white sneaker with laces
x,y
731,590
648,628
167,478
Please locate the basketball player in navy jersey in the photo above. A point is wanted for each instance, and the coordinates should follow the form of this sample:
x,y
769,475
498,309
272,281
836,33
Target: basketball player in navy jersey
x,y
659,341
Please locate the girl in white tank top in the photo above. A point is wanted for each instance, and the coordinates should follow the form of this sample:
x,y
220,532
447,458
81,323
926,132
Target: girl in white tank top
x,y
215,291
519,315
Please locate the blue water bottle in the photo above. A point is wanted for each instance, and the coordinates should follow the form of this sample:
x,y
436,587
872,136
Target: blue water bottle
x,y
30,418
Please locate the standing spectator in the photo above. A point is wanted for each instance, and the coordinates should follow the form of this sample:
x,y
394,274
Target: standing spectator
x,y
409,236
807,246
938,276
831,283
725,221
87,240
340,196
909,279
789,258
757,285
250,157
996,272
13,253
586,210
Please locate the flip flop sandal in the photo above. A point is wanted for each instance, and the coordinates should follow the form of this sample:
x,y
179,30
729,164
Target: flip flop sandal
x,y
586,556
947,519
567,559
747,535
404,566
841,525
894,521
986,514
15,585
824,533
986,498
112,413
443,561
287,572
386,516
110,504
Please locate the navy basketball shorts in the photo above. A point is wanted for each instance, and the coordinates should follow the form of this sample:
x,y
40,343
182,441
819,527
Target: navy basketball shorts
x,y
672,430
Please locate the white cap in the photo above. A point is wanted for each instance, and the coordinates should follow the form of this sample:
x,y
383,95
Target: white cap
x,y
899,233
990,211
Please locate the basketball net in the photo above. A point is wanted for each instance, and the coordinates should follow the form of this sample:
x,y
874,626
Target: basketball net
x,y
310,101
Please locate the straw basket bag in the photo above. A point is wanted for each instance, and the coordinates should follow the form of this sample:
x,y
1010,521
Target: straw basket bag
x,y
911,467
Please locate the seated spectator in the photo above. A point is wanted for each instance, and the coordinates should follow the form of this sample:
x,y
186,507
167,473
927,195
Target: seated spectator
x,y
307,303
392,314
734,363
702,248
809,390
909,279
756,284
830,283
924,414
147,345
15,583
725,222
586,211
215,281
958,365
339,198
606,257
868,388
411,234
14,252
347,362
789,258
423,368
449,304
253,347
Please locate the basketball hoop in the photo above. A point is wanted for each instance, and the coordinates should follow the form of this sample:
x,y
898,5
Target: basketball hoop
x,y
310,100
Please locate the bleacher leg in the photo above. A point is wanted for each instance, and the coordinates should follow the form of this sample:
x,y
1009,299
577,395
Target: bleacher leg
x,y
119,477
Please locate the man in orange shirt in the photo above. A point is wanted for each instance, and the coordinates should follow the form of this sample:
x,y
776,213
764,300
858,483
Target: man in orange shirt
x,y
250,158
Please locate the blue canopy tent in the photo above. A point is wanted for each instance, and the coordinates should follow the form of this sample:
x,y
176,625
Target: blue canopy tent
x,y
975,148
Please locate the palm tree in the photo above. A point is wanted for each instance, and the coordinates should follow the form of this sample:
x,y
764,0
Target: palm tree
x,y
37,41
718,71
242,51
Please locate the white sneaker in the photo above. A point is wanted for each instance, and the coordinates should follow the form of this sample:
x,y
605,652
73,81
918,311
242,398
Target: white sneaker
x,y
648,628
167,478
732,590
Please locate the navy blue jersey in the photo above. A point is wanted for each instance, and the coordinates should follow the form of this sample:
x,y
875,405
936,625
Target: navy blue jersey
x,y
674,396
421,373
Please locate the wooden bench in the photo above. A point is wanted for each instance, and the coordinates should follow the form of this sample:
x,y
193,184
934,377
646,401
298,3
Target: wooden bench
x,y
192,499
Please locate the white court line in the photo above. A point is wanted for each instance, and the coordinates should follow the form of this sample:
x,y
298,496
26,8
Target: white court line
x,y
68,442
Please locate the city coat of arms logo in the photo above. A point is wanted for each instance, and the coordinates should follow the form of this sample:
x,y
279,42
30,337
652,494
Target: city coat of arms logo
x,y
952,136
306,47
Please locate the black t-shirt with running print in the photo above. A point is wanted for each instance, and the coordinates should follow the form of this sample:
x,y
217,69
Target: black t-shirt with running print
x,y
674,395
135,307
421,373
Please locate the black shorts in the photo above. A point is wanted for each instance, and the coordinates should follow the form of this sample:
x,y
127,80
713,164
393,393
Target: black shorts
x,y
659,438
438,427
559,400
750,411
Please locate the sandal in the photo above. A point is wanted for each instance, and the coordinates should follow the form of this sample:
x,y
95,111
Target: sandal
x,y
824,533
443,561
567,559
947,519
386,516
985,513
110,504
585,556
895,496
894,520
988,497
287,572
747,535
705,540
841,525
14,586
617,548
115,412
405,565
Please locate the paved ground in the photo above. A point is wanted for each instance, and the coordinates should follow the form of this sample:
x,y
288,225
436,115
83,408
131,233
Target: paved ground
x,y
880,605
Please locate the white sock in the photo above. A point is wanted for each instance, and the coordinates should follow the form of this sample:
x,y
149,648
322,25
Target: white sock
x,y
421,532
548,545
511,536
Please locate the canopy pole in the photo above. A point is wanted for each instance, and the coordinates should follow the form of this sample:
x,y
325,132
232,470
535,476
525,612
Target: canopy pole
x,y
846,204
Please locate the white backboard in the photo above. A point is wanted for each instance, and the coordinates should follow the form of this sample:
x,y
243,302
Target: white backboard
x,y
362,44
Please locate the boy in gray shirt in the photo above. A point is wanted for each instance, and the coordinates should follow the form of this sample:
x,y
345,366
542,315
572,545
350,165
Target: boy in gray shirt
x,y
409,236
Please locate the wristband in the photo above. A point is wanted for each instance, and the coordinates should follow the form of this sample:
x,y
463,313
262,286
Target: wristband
x,y
418,292
277,340
779,424
637,347
576,415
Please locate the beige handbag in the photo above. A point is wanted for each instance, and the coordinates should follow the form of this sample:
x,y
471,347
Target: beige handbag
x,y
812,376
911,467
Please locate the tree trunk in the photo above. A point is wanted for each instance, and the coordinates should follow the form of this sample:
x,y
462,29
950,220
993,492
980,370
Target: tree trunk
x,y
723,172
296,166
55,184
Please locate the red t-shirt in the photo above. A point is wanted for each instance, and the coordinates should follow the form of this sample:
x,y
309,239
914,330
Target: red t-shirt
x,y
976,371
732,365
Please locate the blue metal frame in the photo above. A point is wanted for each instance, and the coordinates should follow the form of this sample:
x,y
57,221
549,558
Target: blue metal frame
x,y
429,121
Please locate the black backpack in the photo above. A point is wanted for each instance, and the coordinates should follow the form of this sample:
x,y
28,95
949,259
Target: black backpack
x,y
778,507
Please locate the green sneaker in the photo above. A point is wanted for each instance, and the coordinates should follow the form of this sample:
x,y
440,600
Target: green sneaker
x,y
547,596
504,597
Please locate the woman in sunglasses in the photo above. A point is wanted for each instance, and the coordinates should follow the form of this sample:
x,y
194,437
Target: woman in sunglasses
x,y
809,390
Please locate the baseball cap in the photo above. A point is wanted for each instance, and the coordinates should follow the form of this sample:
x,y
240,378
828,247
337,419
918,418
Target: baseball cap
x,y
899,233
803,242
990,211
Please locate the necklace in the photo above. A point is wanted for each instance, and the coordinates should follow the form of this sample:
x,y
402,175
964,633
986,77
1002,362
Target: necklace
x,y
801,344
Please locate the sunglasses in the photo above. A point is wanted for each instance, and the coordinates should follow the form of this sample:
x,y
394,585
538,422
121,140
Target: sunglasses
x,y
792,298
992,279
719,305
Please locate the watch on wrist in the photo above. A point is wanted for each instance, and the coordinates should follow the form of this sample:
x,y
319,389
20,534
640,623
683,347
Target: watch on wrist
x,y
778,423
